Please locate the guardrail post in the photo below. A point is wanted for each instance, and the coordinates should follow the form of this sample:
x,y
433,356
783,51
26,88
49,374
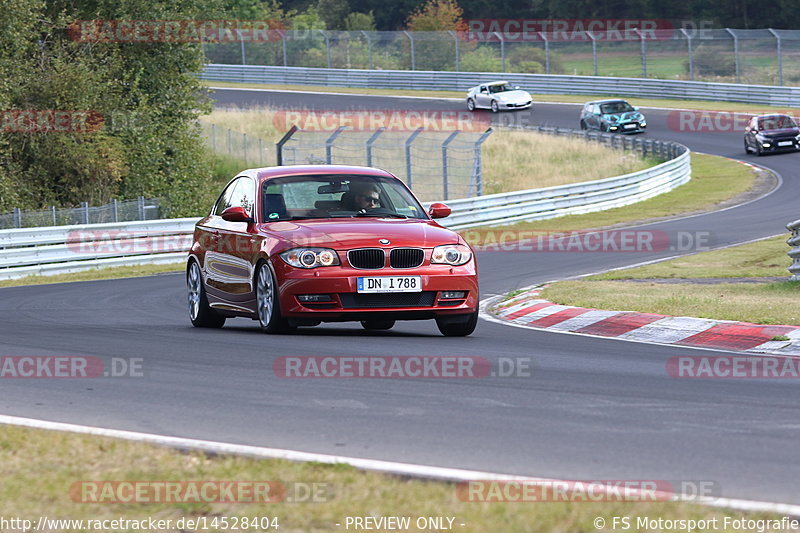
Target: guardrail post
x,y
283,45
794,253
477,168
502,51
280,143
114,210
444,161
780,56
329,144
17,217
691,56
644,52
411,40
370,142
594,50
546,52
369,47
735,51
458,61
408,154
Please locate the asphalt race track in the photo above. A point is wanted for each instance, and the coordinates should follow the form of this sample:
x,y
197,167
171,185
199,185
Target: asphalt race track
x,y
593,408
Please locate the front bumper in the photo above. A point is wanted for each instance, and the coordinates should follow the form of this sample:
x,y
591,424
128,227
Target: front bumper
x,y
339,283
778,145
628,127
515,105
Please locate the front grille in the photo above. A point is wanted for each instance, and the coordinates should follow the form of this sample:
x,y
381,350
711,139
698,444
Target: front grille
x,y
406,257
367,258
401,299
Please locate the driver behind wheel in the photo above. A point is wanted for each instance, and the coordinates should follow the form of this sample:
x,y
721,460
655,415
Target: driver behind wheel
x,y
362,196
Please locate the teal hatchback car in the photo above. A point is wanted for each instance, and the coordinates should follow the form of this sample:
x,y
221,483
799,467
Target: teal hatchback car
x,y
616,116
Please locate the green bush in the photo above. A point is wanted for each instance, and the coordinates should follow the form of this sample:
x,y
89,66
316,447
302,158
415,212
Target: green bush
x,y
482,59
708,61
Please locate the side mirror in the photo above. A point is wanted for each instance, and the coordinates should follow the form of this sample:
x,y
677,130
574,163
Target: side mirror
x,y
439,210
636,108
236,214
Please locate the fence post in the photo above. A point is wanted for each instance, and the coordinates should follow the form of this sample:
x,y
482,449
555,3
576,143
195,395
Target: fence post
x,y
644,52
85,211
53,211
283,45
114,210
413,61
329,144
458,59
17,217
241,43
546,52
213,136
260,151
477,169
244,142
369,47
691,57
594,50
230,148
735,51
444,161
780,56
502,51
408,154
370,142
141,208
327,45
280,143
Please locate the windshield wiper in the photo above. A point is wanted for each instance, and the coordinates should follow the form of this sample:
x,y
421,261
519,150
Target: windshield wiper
x,y
381,215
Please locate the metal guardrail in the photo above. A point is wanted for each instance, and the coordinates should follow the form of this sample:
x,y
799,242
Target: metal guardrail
x,y
535,83
794,253
64,249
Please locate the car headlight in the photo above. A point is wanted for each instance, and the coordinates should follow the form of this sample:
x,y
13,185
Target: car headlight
x,y
451,254
310,257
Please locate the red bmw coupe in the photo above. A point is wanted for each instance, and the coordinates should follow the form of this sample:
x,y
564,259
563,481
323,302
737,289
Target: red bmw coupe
x,y
300,245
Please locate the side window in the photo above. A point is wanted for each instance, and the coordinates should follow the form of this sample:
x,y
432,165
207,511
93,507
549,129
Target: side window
x,y
596,109
244,195
483,89
225,198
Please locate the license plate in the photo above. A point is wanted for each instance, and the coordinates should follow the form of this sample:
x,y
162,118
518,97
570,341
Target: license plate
x,y
390,284
785,143
630,126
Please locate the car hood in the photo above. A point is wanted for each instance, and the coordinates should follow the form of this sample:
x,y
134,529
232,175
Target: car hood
x,y
623,117
350,233
785,132
511,96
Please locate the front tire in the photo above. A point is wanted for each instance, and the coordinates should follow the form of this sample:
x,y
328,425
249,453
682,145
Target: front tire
x,y
470,104
200,313
746,147
495,107
463,328
269,312
583,125
377,325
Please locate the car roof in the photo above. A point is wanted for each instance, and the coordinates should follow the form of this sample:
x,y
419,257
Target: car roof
x,y
606,101
774,115
266,173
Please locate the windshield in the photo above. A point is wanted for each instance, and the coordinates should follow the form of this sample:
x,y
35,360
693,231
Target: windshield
x,y
616,107
337,196
500,88
776,123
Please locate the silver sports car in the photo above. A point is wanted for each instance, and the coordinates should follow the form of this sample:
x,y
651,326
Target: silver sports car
x,y
497,95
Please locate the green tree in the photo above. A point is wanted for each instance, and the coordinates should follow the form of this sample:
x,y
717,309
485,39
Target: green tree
x,y
333,12
359,21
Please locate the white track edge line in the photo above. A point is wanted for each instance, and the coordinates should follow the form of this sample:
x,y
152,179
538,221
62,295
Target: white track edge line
x,y
388,467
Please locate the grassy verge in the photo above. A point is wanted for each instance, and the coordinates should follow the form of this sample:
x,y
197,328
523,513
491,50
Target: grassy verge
x,y
759,303
43,474
569,98
715,180
512,160
94,274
